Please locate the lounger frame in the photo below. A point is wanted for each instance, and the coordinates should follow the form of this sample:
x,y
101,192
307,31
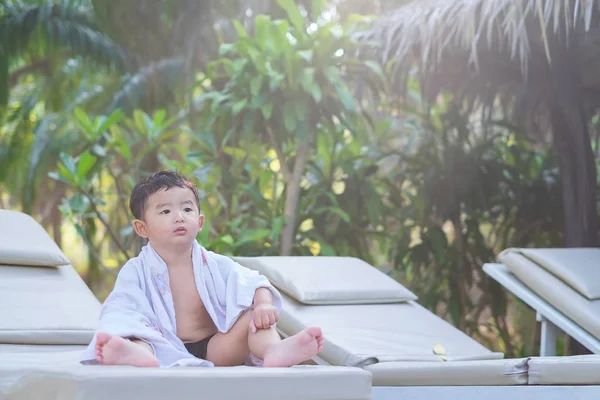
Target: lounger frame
x,y
554,323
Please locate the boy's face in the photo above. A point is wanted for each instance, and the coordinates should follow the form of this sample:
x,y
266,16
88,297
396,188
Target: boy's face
x,y
171,219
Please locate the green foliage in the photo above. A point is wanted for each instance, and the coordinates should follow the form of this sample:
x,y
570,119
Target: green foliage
x,y
282,77
421,190
288,85
457,195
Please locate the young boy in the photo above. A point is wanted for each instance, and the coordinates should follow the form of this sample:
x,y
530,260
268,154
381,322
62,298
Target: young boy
x,y
177,304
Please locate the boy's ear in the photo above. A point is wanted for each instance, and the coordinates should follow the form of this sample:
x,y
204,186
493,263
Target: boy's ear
x,y
200,222
140,228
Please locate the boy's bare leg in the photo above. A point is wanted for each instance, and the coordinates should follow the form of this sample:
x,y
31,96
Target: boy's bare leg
x,y
115,350
233,347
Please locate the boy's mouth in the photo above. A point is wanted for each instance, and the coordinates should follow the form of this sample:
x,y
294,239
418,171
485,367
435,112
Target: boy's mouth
x,y
180,230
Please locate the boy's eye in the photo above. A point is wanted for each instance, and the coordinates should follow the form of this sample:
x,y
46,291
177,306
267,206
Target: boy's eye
x,y
165,211
188,209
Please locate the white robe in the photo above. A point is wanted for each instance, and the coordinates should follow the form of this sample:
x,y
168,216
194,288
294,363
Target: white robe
x,y
141,304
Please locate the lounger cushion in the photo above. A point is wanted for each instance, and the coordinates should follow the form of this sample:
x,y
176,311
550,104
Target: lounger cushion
x,y
361,335
575,370
45,306
456,373
41,348
579,268
329,280
58,375
584,312
24,242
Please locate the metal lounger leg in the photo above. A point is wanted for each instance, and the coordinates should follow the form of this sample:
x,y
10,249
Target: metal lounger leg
x,y
550,334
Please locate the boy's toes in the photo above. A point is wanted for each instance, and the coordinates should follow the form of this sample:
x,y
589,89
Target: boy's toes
x,y
315,332
102,338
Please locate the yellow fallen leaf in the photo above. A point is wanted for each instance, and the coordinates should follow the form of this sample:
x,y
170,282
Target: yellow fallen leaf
x,y
439,350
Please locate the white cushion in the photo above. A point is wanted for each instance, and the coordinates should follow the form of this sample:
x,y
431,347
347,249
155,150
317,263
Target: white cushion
x,y
329,280
41,348
577,267
24,242
46,306
574,370
453,373
57,375
365,334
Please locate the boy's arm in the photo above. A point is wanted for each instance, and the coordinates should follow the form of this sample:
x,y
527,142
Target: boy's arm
x,y
264,314
249,284
263,296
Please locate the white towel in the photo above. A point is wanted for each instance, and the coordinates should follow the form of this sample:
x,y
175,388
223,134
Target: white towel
x,y
141,304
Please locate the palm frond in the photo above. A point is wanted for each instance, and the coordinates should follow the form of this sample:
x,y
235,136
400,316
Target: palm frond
x,y
55,26
42,143
44,29
4,65
151,87
15,136
49,140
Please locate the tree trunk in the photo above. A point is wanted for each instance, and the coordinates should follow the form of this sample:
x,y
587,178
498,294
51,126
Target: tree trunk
x,y
3,205
573,148
56,219
292,196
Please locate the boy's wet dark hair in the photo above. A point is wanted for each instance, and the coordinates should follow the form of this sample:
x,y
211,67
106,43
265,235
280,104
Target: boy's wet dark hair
x,y
156,182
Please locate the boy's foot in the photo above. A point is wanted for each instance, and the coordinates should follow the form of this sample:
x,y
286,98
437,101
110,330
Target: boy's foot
x,y
291,351
114,350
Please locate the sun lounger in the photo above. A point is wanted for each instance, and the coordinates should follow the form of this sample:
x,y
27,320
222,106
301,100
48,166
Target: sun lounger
x,y
546,378
400,347
48,315
373,322
562,285
48,305
48,375
390,335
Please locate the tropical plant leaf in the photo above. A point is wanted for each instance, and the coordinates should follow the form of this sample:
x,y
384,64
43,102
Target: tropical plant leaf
x,y
293,13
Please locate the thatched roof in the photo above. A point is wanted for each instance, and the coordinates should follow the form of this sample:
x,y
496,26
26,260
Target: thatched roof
x,y
543,56
495,42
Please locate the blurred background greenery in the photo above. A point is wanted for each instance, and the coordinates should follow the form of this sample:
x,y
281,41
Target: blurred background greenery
x,y
310,128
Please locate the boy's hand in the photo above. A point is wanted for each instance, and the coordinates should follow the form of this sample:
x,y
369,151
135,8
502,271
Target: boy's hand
x,y
264,315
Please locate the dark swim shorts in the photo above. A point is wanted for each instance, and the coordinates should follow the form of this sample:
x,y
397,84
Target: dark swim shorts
x,y
199,349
